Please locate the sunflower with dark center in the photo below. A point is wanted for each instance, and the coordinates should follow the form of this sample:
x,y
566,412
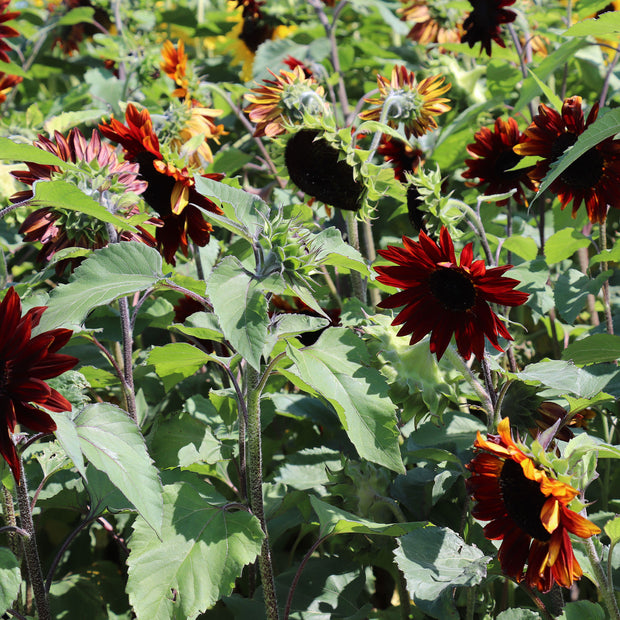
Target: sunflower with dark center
x,y
314,165
402,99
113,184
594,178
283,101
443,297
6,32
25,363
401,156
527,510
433,22
494,159
483,24
170,190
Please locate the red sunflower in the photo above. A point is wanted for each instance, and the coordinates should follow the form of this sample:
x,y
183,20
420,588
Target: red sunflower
x,y
401,156
7,82
26,363
528,511
483,24
443,297
6,32
594,178
170,191
493,159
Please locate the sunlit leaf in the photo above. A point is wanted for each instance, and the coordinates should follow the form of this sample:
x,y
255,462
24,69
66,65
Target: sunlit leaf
x,y
593,348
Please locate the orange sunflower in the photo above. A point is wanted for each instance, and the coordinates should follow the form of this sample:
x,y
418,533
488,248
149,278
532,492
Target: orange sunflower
x,y
527,510
405,100
284,100
174,65
594,178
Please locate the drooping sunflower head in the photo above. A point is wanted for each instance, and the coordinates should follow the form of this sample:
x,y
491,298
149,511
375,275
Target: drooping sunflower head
x,y
433,22
527,507
402,99
285,101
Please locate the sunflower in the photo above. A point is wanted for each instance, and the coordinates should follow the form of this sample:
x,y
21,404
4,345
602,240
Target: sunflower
x,y
482,25
284,100
174,65
433,22
26,363
594,178
527,510
401,156
113,184
6,32
494,159
7,82
170,190
443,298
403,100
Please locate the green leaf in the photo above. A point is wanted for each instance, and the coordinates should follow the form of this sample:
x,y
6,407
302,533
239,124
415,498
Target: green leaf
x,y
201,325
612,529
176,361
608,124
63,195
579,610
240,307
433,561
77,16
571,292
564,244
584,444
332,367
332,250
518,614
10,579
113,444
202,551
553,99
109,273
608,256
183,440
605,25
27,152
67,435
594,348
565,377
524,247
334,520
67,120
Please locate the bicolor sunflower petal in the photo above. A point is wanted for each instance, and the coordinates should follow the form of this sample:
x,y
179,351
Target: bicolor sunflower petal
x,y
445,298
527,510
593,178
402,99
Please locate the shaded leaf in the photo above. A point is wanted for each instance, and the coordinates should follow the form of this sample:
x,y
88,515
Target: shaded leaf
x,y
10,578
571,292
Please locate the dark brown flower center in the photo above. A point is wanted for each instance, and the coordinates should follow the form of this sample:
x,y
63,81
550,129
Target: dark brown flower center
x,y
5,377
505,161
523,500
453,288
583,173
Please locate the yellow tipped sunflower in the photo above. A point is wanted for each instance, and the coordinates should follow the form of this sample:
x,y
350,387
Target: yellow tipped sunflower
x,y
174,65
405,100
284,100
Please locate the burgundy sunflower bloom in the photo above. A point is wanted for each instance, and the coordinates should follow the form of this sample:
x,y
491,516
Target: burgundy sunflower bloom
x,y
493,159
442,297
432,22
26,363
483,24
112,183
170,190
6,32
402,99
594,178
401,156
7,82
292,62
528,511
284,100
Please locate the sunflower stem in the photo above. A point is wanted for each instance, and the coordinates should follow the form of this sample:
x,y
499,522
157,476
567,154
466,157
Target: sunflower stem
x,y
609,324
255,484
359,288
460,364
604,586
123,308
31,551
471,603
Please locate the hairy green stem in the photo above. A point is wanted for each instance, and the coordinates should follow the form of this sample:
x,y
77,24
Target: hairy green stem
x,y
359,288
255,485
130,395
604,586
31,551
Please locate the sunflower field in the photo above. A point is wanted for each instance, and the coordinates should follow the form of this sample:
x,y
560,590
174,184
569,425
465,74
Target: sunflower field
x,y
309,309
